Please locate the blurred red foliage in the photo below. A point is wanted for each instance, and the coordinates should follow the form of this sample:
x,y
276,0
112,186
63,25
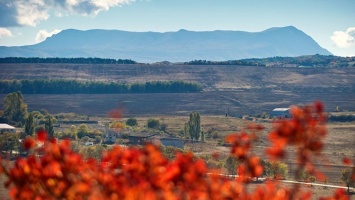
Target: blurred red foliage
x,y
56,172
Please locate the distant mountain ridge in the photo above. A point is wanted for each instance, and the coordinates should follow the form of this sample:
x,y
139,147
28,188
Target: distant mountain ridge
x,y
177,46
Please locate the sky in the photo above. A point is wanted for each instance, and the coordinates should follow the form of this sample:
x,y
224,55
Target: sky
x,y
331,23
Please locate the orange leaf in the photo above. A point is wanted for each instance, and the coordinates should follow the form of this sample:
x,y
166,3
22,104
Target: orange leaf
x,y
117,113
29,143
42,135
347,161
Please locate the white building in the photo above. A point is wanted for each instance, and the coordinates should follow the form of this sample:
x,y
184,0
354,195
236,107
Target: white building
x,y
5,128
111,135
280,113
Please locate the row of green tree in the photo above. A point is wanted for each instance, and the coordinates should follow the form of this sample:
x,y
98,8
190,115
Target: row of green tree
x,y
308,60
341,118
62,86
67,60
228,62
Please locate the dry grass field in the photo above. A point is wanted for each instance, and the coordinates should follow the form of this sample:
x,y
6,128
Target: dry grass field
x,y
220,77
339,142
236,103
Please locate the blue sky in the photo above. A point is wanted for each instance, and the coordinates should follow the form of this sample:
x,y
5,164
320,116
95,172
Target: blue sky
x,y
330,22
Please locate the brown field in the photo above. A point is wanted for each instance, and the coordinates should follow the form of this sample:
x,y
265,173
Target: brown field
x,y
238,89
236,103
213,77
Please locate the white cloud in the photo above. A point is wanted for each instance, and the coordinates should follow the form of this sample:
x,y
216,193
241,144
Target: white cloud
x,y
90,7
5,33
106,4
344,39
31,12
43,34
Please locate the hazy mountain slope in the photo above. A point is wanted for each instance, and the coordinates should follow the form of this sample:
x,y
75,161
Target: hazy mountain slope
x,y
182,45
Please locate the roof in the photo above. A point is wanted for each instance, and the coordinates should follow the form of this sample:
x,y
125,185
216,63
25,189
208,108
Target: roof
x,y
3,126
176,139
281,109
142,136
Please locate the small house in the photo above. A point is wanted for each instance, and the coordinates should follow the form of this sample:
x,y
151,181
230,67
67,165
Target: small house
x,y
111,135
140,139
89,143
5,128
280,113
175,142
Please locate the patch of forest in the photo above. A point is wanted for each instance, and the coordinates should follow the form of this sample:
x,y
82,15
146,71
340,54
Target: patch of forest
x,y
67,60
62,86
229,62
300,61
305,61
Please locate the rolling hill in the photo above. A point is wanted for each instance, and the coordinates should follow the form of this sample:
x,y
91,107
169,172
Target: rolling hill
x,y
179,46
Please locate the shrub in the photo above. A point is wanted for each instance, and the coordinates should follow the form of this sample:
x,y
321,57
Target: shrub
x,y
132,122
163,127
231,165
312,179
153,123
276,169
215,135
303,176
170,152
348,177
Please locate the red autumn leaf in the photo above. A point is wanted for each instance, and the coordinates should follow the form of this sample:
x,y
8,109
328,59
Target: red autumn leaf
x,y
254,161
42,135
13,192
231,138
116,113
319,106
29,143
347,161
258,171
259,127
215,155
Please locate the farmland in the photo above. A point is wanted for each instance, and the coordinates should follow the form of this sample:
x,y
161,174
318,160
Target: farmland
x,y
236,90
235,103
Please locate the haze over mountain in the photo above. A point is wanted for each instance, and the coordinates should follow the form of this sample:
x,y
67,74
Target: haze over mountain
x,y
177,46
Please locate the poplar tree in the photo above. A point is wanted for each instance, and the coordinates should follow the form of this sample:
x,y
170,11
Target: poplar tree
x,y
29,126
186,130
48,126
195,125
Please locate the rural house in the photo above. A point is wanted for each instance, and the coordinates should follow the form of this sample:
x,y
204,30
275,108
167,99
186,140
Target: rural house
x,y
175,142
140,140
280,113
5,128
111,135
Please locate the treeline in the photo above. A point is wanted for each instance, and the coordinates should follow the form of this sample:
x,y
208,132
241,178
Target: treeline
x,y
341,118
229,62
307,61
62,86
67,60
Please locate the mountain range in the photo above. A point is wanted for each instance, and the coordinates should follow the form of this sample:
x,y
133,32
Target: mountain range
x,y
179,46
